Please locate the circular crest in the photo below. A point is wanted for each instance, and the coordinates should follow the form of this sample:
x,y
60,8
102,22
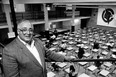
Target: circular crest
x,y
107,15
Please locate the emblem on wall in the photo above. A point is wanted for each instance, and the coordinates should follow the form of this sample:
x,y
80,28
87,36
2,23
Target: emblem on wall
x,y
107,15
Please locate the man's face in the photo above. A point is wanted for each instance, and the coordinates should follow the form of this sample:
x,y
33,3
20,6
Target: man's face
x,y
25,31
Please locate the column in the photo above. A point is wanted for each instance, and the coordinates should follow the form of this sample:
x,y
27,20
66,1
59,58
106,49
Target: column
x,y
13,14
73,18
8,19
46,17
11,34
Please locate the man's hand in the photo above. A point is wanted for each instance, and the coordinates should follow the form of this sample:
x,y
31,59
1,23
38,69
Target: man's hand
x,y
69,58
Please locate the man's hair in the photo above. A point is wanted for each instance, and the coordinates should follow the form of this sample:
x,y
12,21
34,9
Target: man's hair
x,y
20,22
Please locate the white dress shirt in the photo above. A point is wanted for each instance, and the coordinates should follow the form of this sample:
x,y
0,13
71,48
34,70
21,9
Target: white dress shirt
x,y
32,49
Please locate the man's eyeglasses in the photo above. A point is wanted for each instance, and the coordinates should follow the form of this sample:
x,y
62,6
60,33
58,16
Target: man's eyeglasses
x,y
25,30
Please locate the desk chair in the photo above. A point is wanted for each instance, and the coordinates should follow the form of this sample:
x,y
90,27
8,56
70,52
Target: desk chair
x,y
55,32
109,47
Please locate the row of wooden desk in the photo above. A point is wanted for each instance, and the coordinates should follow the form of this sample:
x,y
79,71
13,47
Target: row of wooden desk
x,y
68,44
83,69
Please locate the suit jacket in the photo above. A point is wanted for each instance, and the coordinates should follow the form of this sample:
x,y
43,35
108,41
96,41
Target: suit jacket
x,y
19,62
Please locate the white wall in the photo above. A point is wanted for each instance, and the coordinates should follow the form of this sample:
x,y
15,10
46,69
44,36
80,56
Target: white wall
x,y
19,7
93,19
68,24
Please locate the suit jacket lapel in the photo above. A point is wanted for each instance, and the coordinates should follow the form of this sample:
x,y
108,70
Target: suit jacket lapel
x,y
40,52
27,52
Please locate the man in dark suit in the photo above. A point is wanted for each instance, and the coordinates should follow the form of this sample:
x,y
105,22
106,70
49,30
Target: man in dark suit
x,y
72,73
96,45
81,52
25,55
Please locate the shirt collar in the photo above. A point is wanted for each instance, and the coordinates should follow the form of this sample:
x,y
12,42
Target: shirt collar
x,y
32,44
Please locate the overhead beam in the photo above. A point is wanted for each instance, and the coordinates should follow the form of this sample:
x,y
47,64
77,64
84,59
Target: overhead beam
x,y
83,6
85,3
53,1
